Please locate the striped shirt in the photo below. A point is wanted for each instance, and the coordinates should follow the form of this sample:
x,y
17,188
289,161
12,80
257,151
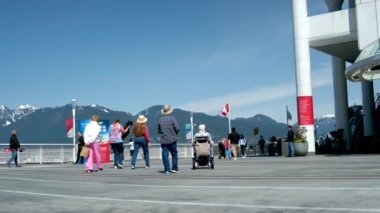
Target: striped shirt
x,y
168,129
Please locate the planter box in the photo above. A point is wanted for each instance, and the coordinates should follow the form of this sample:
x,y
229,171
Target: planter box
x,y
301,149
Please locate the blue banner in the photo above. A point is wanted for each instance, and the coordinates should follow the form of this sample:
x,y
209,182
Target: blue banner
x,y
105,124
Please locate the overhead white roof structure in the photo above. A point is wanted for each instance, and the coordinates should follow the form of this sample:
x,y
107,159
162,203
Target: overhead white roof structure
x,y
367,65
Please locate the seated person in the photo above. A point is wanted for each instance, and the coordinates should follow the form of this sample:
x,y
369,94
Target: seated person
x,y
202,134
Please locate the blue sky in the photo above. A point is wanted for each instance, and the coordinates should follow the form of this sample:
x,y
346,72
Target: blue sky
x,y
129,55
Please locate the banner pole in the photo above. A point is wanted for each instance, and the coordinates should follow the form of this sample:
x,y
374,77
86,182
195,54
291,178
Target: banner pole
x,y
192,131
74,147
229,116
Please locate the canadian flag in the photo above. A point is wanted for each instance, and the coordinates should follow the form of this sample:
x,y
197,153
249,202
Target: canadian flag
x,y
225,110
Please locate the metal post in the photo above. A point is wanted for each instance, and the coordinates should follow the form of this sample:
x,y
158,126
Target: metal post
x,y
62,154
41,155
192,131
229,116
74,147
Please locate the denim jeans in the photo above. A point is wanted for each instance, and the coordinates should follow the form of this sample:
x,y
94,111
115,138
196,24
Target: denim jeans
x,y
140,142
291,148
13,157
80,159
117,153
172,148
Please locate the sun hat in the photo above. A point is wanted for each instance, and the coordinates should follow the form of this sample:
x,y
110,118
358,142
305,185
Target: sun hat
x,y
166,110
141,119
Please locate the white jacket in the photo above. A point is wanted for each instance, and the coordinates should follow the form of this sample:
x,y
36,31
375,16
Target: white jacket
x,y
91,132
204,134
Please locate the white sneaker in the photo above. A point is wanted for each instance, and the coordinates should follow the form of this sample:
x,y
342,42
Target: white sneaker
x,y
173,171
119,165
235,158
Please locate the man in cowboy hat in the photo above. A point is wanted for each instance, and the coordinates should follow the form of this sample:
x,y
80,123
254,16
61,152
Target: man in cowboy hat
x,y
168,128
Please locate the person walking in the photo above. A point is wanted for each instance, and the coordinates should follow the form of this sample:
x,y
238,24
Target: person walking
x,y
131,147
168,129
92,141
290,140
115,132
262,144
128,126
243,146
80,144
227,146
14,146
222,149
141,139
234,138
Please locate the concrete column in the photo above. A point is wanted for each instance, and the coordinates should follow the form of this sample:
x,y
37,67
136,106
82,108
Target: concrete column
x,y
351,3
303,73
340,98
368,108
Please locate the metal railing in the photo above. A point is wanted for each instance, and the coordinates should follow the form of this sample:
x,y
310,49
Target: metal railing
x,y
63,153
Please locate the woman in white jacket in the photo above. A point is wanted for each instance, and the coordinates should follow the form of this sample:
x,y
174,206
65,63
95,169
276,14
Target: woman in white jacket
x,y
92,140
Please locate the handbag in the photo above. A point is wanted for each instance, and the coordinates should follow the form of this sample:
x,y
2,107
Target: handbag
x,y
85,151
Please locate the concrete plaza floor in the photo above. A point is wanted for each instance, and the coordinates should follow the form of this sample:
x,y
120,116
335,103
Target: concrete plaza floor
x,y
349,183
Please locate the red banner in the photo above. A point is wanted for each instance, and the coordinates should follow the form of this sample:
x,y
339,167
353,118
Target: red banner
x,y
104,153
305,110
69,127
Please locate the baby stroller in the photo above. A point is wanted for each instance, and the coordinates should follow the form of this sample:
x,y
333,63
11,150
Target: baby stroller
x,y
203,153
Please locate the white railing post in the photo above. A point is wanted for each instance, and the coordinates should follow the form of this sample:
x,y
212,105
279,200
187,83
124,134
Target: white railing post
x,y
62,155
159,154
41,154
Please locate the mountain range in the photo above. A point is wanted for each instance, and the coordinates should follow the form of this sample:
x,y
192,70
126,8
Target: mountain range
x,y
47,125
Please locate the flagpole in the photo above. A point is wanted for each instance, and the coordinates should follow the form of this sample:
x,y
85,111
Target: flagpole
x,y
287,121
192,131
229,116
73,109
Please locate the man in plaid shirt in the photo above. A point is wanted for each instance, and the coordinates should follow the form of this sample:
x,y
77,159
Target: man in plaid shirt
x,y
168,128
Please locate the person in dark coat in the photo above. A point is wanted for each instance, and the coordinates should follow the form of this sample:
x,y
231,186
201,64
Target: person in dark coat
x,y
222,148
14,146
262,144
234,137
80,144
290,140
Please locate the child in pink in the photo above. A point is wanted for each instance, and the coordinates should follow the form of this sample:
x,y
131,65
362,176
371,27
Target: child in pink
x,y
228,148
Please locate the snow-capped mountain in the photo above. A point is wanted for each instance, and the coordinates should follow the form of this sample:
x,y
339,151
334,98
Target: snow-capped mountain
x,y
325,125
100,108
8,116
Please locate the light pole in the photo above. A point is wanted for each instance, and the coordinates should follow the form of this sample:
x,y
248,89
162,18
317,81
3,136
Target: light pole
x,y
192,131
73,107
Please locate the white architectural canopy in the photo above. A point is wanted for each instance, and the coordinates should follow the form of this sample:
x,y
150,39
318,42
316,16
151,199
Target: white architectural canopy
x,y
367,65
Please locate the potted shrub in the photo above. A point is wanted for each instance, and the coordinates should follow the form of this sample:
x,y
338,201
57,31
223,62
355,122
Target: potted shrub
x,y
301,146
